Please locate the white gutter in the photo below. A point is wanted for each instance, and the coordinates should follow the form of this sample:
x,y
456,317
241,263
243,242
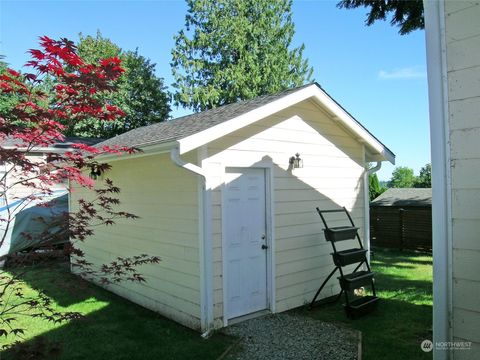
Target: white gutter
x,y
375,168
205,254
441,175
175,156
146,150
40,149
366,186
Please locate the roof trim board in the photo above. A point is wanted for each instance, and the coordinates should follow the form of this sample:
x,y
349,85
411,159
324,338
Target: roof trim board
x,y
193,131
217,131
377,151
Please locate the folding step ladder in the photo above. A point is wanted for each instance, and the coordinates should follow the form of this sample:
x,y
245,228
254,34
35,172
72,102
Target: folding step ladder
x,y
349,282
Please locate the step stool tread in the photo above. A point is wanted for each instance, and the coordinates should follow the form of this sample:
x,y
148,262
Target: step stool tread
x,y
363,301
342,228
351,252
358,275
340,233
350,256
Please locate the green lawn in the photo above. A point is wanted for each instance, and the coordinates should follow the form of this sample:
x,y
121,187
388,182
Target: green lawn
x,y
403,318
113,328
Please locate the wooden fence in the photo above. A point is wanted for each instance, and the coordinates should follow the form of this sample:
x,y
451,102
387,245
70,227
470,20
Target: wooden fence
x,y
401,228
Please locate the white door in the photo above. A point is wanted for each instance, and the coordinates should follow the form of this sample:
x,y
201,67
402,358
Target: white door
x,y
245,235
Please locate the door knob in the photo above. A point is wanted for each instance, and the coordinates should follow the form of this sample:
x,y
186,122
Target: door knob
x,y
263,237
264,247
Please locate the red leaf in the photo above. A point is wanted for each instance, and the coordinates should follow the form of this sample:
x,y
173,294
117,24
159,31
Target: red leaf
x,y
13,72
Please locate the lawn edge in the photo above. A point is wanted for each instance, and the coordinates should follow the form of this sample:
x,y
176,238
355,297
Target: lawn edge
x,y
229,349
359,345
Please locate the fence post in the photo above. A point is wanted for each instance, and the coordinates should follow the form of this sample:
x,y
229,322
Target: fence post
x,y
402,240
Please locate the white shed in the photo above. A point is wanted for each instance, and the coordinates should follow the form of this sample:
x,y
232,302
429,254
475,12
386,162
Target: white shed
x,y
233,221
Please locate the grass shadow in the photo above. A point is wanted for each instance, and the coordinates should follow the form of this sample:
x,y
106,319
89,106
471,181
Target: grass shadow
x,y
120,332
403,318
56,281
112,328
393,331
392,256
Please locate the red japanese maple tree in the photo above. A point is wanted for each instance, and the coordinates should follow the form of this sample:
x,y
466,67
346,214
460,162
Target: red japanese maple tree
x,y
36,120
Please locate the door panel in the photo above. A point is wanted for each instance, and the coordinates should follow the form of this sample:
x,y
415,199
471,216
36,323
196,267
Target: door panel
x,y
245,232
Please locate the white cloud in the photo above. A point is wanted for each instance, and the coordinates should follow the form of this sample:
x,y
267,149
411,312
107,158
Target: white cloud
x,y
414,72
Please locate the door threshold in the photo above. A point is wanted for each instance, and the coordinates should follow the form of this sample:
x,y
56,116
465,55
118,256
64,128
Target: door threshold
x,y
253,315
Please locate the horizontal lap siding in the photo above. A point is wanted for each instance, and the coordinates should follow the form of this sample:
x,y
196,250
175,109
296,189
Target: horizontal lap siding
x,y
164,196
20,191
463,70
331,178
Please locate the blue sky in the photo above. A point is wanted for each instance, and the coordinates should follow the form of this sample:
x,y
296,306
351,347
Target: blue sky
x,y
376,74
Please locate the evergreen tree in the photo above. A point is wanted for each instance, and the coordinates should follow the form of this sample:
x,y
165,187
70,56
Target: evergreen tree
x,y
234,50
406,14
375,189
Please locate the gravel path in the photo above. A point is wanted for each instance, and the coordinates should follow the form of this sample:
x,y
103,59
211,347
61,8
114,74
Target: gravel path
x,y
291,337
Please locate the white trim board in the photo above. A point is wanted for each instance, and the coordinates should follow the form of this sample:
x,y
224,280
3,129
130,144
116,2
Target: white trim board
x,y
205,246
313,92
441,175
326,104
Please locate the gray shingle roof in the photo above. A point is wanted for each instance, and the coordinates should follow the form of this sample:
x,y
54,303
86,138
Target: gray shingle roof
x,y
404,197
66,143
179,128
182,127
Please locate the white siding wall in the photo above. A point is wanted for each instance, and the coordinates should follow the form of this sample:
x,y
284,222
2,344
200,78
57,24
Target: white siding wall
x,y
165,198
21,191
331,178
463,68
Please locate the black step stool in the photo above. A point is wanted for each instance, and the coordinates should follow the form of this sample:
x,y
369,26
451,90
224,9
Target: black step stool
x,y
356,279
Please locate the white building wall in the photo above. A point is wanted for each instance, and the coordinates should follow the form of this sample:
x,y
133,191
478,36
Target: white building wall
x,y
17,190
165,197
332,177
462,24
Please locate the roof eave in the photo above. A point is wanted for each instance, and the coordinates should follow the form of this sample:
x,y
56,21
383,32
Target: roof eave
x,y
379,157
51,150
146,149
377,150
215,132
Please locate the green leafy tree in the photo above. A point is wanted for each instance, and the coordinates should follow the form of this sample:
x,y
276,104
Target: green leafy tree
x,y
234,50
141,94
35,123
8,100
402,177
375,189
424,180
408,15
